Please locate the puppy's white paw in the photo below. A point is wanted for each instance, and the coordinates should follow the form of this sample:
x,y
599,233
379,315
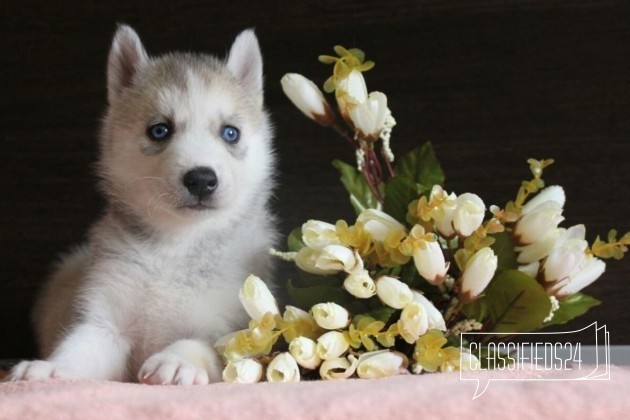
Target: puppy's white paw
x,y
35,370
170,369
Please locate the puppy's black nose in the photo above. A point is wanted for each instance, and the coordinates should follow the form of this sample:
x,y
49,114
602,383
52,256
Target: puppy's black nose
x,y
201,182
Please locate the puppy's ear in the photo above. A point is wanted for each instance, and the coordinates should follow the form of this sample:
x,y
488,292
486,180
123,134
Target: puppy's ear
x,y
245,63
126,57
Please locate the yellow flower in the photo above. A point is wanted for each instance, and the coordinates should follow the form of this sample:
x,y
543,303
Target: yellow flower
x,y
252,342
298,323
355,237
428,351
455,360
348,60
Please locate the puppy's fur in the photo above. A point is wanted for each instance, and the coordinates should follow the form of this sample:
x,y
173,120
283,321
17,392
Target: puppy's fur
x,y
158,281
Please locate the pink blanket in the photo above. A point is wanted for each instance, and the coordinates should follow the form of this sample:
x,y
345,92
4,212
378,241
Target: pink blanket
x,y
402,397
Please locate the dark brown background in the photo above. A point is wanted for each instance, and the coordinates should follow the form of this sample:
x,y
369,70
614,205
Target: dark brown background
x,y
491,83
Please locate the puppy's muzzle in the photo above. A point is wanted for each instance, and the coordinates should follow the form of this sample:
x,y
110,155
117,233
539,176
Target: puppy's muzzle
x,y
201,182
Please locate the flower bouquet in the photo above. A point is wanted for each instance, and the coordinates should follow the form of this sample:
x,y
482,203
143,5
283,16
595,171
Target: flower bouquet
x,y
391,292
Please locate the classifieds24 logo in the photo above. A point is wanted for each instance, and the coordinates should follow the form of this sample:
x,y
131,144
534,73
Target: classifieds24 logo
x,y
527,355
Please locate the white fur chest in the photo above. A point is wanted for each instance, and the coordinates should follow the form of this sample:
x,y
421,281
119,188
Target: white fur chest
x,y
160,292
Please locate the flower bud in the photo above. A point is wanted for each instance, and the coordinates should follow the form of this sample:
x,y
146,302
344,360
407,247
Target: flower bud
x,y
316,234
257,299
553,193
351,89
478,272
330,316
379,224
435,318
413,322
360,285
430,263
245,371
382,363
369,117
538,223
331,345
330,259
469,361
393,292
469,212
446,212
592,269
540,249
307,258
307,97
338,368
530,269
337,257
283,368
567,254
303,351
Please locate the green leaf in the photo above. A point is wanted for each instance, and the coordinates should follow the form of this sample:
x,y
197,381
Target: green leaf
x,y
504,250
399,192
575,305
294,241
421,166
361,196
305,297
513,301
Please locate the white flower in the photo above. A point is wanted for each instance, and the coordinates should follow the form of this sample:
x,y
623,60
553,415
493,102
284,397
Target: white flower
x,y
338,368
368,117
283,368
469,212
553,193
257,299
382,363
413,322
430,263
538,250
352,89
316,234
569,266
303,351
293,314
244,371
592,269
360,285
393,292
444,218
478,272
538,223
530,269
330,315
379,224
567,254
328,260
307,97
435,318
331,345
337,257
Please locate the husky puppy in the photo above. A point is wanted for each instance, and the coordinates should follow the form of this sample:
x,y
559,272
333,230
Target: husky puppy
x,y
186,165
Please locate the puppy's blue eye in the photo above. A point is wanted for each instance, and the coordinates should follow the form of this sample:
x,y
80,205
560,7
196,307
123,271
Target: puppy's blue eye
x,y
230,134
159,132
